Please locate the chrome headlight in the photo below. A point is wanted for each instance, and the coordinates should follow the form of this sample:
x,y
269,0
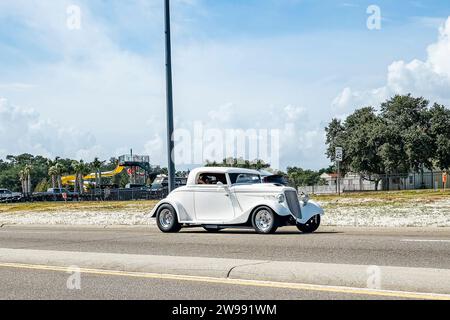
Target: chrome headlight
x,y
281,198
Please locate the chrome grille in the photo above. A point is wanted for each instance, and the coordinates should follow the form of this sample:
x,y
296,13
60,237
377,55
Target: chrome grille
x,y
293,203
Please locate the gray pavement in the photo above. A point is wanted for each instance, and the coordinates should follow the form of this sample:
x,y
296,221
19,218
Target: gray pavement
x,y
359,246
409,260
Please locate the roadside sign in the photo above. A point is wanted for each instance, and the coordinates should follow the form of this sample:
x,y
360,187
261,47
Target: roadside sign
x,y
339,154
64,195
444,177
339,157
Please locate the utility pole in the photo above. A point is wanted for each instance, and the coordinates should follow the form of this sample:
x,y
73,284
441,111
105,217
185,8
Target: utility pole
x,y
170,126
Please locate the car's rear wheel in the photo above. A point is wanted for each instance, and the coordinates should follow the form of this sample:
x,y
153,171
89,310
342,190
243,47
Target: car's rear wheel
x,y
265,221
310,226
167,220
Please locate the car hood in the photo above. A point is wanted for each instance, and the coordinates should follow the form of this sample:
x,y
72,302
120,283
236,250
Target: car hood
x,y
261,187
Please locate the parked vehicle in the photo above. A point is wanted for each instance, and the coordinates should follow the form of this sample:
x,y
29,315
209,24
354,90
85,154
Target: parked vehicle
x,y
161,184
55,194
7,195
135,186
219,198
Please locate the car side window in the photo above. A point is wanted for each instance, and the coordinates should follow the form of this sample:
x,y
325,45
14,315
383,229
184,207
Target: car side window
x,y
211,179
244,178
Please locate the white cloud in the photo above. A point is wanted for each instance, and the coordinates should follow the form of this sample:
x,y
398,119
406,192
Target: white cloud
x,y
301,141
96,82
24,131
429,78
294,113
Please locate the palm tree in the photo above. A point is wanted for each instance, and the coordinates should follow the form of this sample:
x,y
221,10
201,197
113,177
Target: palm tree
x,y
22,177
85,170
28,169
77,168
53,172
81,169
96,165
58,171
25,179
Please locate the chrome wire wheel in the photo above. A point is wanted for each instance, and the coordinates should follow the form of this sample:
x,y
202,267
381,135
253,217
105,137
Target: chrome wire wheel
x,y
166,218
264,221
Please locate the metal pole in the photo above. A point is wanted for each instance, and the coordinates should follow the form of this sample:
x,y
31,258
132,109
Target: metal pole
x,y
339,178
170,126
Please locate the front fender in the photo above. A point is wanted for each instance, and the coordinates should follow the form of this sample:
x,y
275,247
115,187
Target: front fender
x,y
310,210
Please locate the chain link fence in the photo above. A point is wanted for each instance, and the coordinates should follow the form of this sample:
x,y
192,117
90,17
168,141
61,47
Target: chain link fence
x,y
392,182
96,195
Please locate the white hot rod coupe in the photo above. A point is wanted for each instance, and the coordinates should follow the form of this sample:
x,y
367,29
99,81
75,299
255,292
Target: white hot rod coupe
x,y
219,198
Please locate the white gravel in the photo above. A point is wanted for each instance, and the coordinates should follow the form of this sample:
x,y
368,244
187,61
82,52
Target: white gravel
x,y
98,218
410,214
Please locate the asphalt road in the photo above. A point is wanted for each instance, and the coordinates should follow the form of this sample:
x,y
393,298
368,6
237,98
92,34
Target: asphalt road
x,y
417,248
382,247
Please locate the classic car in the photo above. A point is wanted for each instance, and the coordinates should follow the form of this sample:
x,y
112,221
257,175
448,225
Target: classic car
x,y
219,198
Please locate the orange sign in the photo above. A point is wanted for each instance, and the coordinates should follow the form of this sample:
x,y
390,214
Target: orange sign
x,y
444,177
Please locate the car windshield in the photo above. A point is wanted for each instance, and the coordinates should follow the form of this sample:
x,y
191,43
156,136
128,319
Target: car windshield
x,y
245,178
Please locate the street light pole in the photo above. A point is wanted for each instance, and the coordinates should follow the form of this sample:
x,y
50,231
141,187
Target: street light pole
x,y
170,126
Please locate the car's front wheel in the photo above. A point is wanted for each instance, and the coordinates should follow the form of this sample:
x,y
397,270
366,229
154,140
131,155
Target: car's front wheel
x,y
265,221
167,220
310,226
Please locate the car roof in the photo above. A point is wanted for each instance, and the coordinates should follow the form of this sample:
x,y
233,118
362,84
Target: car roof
x,y
194,173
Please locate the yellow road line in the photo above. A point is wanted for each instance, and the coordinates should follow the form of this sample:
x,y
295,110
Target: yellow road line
x,y
240,282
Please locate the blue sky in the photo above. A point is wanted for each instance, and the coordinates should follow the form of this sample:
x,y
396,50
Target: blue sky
x,y
290,65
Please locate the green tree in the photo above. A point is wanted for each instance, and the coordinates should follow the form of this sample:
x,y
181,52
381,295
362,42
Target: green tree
x,y
364,138
440,133
300,177
403,136
408,141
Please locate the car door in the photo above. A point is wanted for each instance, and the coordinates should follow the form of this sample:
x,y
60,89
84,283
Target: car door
x,y
213,203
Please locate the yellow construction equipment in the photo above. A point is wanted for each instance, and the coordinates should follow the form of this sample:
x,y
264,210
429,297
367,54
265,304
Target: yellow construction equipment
x,y
70,180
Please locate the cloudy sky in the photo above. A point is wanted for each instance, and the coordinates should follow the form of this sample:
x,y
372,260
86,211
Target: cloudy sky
x,y
290,65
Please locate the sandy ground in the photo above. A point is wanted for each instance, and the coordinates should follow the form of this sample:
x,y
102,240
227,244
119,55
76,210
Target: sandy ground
x,y
366,212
